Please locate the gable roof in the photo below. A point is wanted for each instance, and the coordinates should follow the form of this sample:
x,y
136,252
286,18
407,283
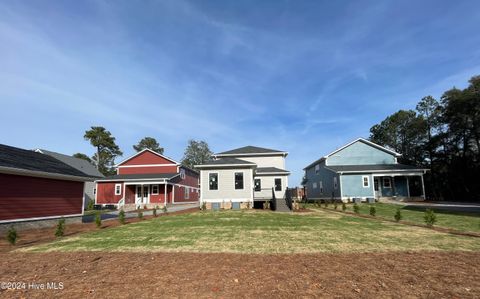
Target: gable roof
x,y
374,168
27,162
79,164
227,161
249,150
145,150
367,142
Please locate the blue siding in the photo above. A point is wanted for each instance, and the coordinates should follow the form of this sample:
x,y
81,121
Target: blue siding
x,y
327,177
352,185
360,153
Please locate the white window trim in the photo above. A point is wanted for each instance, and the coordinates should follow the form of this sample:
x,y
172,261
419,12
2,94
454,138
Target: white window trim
x,y
314,185
368,181
389,182
118,187
158,189
335,183
317,168
275,185
182,174
210,189
187,193
235,179
321,186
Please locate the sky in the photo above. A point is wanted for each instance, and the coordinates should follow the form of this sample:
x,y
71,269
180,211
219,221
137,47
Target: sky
x,y
304,77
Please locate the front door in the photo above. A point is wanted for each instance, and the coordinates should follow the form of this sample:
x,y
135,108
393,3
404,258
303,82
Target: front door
x,y
142,198
376,187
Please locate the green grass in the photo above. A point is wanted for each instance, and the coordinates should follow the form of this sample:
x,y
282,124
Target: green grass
x,y
467,222
262,232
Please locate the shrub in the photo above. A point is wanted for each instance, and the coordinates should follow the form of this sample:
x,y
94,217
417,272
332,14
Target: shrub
x,y
12,235
335,205
90,205
204,206
398,215
430,217
60,228
98,219
140,215
121,217
164,209
344,207
154,212
326,204
304,205
356,208
266,205
373,211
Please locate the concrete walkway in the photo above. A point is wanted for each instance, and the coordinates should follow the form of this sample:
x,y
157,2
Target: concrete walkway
x,y
132,214
463,207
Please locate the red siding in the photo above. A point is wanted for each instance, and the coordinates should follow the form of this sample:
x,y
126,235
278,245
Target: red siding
x,y
31,197
147,158
150,169
190,180
106,193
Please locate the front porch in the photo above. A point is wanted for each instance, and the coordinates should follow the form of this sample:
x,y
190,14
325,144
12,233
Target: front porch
x,y
139,194
399,187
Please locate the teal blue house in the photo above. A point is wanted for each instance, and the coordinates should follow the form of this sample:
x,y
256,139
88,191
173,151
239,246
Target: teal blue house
x,y
363,169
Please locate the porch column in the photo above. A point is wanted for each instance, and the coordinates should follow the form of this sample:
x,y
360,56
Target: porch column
x,y
394,189
423,187
141,194
165,192
173,193
408,187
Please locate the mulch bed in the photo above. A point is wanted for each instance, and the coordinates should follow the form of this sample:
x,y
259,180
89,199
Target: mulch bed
x,y
221,275
33,237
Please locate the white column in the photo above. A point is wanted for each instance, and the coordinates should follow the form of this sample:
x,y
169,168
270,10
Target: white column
x,y
423,187
141,193
165,193
173,193
408,187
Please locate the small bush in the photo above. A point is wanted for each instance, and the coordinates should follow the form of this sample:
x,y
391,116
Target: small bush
x,y
98,219
398,215
164,209
373,211
266,205
326,204
344,207
90,205
430,217
140,215
12,235
204,206
154,212
356,208
60,228
121,217
335,205
304,205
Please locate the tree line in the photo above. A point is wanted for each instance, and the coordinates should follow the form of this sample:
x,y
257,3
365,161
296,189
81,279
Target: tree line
x,y
106,150
443,136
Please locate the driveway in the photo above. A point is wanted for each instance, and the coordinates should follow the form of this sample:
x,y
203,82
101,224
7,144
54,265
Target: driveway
x,y
132,214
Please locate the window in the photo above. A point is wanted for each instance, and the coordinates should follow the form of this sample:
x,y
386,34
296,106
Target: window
x,y
155,189
314,185
278,184
118,189
387,183
187,193
238,180
335,184
321,187
94,191
366,181
258,185
213,181
317,168
182,174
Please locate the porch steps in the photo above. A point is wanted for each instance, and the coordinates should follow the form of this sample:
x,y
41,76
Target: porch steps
x,y
282,205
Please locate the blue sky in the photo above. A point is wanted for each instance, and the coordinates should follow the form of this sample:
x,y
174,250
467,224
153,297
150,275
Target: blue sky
x,y
301,76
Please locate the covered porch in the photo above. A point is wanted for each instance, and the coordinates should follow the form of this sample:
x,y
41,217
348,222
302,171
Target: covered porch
x,y
148,194
399,186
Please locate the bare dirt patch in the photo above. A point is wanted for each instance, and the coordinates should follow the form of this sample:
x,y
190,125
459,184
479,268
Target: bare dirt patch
x,y
151,275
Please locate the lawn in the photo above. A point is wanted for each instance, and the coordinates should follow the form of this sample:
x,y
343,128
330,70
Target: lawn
x,y
262,232
455,220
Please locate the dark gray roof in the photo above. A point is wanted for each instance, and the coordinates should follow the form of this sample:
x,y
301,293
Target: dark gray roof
x,y
249,150
160,176
80,164
378,167
18,158
270,169
227,161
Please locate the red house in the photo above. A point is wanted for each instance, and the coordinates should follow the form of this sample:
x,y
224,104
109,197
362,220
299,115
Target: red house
x,y
148,179
34,186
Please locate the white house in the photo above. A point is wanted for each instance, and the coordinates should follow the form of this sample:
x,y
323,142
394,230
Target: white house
x,y
239,177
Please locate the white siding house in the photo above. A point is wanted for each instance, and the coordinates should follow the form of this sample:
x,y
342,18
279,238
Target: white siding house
x,y
243,175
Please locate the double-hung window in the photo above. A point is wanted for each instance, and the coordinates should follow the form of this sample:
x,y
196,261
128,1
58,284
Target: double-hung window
x,y
213,181
118,189
238,180
366,181
278,184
